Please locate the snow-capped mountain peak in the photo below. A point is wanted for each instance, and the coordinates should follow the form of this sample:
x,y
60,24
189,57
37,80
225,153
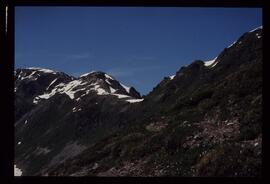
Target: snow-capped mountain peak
x,y
52,83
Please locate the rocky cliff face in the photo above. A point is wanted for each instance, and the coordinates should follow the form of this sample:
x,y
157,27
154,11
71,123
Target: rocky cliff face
x,y
204,121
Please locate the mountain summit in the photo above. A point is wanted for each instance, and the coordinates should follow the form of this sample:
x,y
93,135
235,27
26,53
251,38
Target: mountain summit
x,y
33,85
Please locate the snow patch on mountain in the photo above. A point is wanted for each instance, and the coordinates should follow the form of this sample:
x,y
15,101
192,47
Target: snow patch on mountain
x,y
51,83
17,171
84,75
232,44
112,90
75,109
260,27
125,87
210,63
42,70
69,89
108,81
107,76
214,64
99,90
30,77
128,98
135,100
172,77
121,96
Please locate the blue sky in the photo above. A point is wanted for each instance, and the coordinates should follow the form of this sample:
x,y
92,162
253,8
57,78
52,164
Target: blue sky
x,y
139,46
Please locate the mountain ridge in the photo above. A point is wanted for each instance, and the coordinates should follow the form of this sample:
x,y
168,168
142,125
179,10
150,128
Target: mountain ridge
x,y
204,121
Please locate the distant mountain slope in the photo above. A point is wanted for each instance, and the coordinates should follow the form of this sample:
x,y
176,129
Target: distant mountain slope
x,y
204,121
32,82
55,112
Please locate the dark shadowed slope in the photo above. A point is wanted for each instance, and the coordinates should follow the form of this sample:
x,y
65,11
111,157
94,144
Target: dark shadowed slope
x,y
204,121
